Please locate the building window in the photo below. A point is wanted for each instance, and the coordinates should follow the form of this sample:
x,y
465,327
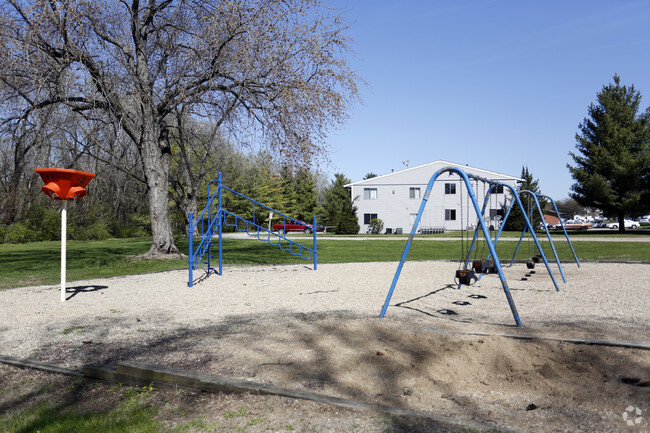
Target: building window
x,y
497,189
450,214
494,213
450,188
367,217
370,193
414,192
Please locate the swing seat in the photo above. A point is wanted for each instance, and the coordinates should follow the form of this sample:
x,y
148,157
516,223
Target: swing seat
x,y
530,264
536,259
481,266
465,276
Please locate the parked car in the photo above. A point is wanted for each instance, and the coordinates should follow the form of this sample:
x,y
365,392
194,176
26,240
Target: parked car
x,y
571,225
644,219
296,226
629,224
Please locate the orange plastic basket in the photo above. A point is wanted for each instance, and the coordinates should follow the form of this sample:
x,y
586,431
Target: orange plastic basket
x,y
64,184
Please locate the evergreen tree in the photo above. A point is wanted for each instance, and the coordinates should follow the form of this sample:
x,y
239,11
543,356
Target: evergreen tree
x,y
299,189
612,165
347,221
340,212
516,221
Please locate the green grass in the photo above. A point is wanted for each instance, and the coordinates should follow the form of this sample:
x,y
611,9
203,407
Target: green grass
x,y
39,262
127,418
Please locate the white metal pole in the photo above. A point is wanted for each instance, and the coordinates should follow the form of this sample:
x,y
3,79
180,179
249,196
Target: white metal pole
x,y
64,217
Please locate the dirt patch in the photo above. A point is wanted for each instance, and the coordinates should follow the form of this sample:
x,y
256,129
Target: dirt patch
x,y
319,331
192,412
524,385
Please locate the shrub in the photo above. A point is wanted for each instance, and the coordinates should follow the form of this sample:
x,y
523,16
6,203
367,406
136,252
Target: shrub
x,y
95,231
44,222
376,226
138,226
19,233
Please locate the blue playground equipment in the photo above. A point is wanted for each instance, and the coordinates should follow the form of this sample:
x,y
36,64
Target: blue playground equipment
x,y
465,273
214,218
548,235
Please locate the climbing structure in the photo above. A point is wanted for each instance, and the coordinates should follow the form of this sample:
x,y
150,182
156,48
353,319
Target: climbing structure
x,y
207,229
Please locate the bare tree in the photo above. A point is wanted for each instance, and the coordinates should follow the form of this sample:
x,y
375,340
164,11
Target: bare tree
x,y
198,150
273,71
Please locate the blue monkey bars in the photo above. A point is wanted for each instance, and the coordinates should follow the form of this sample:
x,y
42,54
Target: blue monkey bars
x,y
212,220
465,177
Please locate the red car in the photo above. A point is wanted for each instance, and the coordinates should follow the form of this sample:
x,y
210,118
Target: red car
x,y
296,226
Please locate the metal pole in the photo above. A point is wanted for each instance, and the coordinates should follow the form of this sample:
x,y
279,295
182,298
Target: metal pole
x,y
566,235
521,238
315,229
64,236
221,217
548,235
427,192
493,252
532,233
190,260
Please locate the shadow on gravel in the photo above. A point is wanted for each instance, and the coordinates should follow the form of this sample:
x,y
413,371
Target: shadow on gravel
x,y
74,291
390,362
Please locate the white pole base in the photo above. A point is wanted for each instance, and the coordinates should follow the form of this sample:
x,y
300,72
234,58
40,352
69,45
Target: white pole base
x,y
64,217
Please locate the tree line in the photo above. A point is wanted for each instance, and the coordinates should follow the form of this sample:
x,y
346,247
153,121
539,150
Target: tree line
x,y
116,205
126,84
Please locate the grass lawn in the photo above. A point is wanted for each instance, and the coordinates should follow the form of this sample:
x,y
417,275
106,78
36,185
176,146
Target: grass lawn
x,y
39,262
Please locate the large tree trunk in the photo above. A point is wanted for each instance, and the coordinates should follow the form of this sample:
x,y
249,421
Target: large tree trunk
x,y
621,223
156,158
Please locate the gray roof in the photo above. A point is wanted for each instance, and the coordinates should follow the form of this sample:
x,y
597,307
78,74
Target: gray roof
x,y
421,174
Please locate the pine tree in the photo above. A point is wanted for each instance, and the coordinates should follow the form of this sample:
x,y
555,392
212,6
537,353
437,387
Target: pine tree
x,y
340,212
347,222
299,189
612,165
516,221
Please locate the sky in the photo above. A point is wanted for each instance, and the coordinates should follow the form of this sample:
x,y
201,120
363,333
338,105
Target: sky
x,y
495,84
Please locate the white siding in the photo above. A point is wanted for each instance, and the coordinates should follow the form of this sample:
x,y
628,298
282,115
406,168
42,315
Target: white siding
x,y
396,209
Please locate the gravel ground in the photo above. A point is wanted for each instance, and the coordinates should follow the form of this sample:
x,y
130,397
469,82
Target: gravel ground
x,y
318,330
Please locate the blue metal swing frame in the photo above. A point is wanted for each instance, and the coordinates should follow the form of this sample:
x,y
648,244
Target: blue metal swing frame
x,y
491,246
211,222
548,234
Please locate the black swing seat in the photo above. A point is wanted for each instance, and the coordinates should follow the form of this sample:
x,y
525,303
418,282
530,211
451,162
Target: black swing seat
x,y
530,264
481,266
484,266
465,276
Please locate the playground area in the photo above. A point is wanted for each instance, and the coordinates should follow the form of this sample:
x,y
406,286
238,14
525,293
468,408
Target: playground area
x,y
439,350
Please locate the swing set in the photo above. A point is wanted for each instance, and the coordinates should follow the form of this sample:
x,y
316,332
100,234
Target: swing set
x,y
471,270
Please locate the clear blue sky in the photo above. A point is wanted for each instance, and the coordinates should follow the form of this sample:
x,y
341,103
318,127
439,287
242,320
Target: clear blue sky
x,y
496,84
